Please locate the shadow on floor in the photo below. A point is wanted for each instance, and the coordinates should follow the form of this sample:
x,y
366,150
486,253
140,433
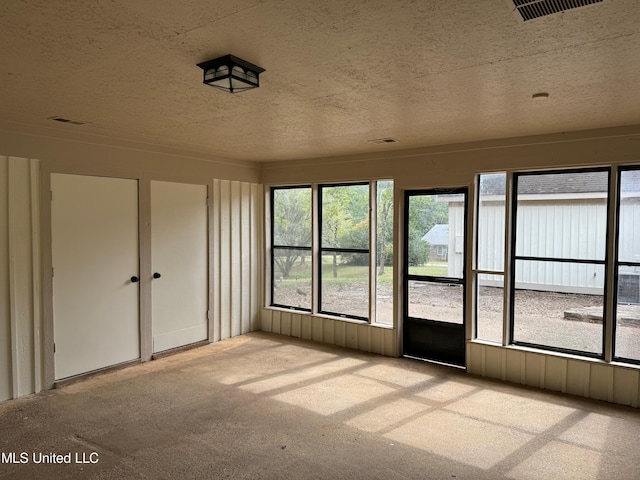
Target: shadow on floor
x,y
267,406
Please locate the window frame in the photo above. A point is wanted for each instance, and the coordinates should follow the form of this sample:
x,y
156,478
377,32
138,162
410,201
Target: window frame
x,y
315,251
437,279
511,268
272,191
617,264
321,251
477,271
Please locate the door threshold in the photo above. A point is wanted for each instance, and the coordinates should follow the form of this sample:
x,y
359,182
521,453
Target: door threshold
x,y
183,348
437,362
63,382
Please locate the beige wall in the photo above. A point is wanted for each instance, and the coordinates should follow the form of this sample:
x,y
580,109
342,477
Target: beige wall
x,y
70,151
454,165
237,242
26,319
457,165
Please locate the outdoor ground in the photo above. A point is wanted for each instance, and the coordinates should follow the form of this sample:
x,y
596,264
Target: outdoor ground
x,y
568,321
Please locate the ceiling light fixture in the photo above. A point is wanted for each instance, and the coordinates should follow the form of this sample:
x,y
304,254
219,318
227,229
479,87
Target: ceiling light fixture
x,y
231,74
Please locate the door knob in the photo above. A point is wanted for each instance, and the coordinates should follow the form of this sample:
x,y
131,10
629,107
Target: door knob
x,y
134,279
156,275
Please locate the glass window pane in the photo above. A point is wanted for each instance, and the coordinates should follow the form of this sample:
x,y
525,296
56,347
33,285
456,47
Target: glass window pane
x,y
629,233
628,313
491,212
384,246
436,235
292,217
562,215
292,278
345,216
345,284
489,307
559,305
436,301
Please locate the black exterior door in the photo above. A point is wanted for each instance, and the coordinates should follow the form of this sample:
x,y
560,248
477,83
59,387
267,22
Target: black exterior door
x,y
434,275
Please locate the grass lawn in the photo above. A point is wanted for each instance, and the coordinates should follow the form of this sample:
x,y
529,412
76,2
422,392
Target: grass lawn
x,y
349,273
434,269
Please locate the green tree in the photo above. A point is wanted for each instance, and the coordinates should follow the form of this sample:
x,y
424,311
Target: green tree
x,y
345,218
291,225
384,235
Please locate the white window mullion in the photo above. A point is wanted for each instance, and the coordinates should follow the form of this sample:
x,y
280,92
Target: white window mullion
x,y
316,261
268,259
373,253
472,281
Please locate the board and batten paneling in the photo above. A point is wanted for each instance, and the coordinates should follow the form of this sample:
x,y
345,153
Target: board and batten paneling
x,y
20,298
585,378
235,266
359,336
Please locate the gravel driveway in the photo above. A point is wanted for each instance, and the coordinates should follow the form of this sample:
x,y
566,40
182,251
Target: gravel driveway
x,y
539,316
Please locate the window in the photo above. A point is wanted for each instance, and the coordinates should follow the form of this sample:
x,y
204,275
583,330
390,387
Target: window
x,y
627,324
384,252
354,259
436,218
489,270
291,247
558,263
344,250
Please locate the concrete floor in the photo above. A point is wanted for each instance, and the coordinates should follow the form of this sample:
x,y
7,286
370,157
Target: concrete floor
x,y
266,406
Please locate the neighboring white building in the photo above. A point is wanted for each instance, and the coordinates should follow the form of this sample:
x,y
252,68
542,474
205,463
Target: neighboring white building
x,y
578,216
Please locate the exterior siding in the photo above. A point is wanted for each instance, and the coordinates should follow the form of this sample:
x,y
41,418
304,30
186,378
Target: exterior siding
x,y
629,229
456,240
552,231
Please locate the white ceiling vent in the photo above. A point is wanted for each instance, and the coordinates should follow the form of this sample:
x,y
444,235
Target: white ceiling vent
x,y
532,9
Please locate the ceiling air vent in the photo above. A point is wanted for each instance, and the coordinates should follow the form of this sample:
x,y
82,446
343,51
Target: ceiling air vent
x,y
383,140
532,9
66,120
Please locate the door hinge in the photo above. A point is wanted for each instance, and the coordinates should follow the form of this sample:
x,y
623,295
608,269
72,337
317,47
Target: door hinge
x,y
51,191
54,348
52,270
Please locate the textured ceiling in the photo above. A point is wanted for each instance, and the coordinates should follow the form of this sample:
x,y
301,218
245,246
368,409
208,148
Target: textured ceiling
x,y
338,72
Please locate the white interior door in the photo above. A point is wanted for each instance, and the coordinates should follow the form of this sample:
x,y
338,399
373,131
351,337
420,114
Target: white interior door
x,y
179,257
94,227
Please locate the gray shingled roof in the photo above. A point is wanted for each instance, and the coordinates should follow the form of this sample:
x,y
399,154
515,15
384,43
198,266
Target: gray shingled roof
x,y
438,235
584,182
581,182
